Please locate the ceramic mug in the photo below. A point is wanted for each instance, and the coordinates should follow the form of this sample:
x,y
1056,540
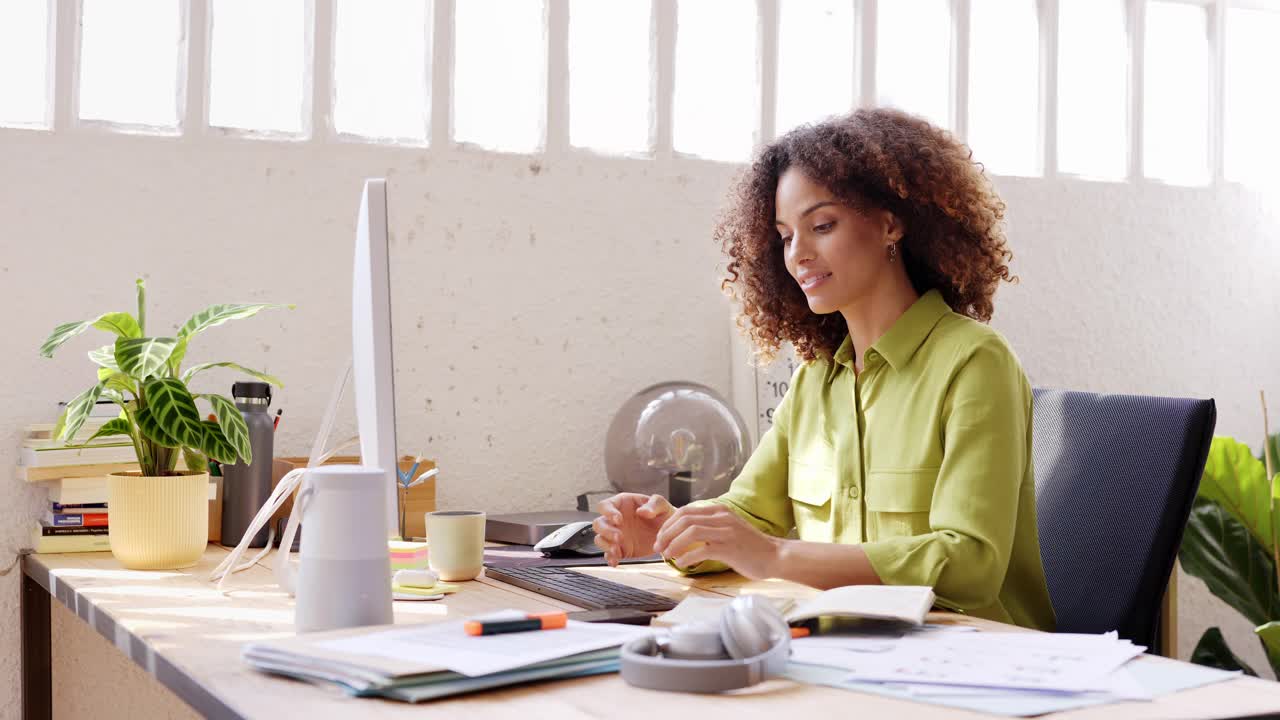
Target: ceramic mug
x,y
455,543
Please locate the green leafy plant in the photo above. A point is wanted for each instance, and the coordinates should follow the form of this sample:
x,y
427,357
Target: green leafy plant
x,y
1230,544
143,375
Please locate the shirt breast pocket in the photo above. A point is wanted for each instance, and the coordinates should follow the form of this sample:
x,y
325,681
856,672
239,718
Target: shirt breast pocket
x,y
898,501
809,486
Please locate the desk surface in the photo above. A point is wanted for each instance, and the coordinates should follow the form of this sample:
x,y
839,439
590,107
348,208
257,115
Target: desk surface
x,y
179,628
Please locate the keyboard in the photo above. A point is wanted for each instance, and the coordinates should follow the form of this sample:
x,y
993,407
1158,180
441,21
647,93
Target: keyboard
x,y
580,589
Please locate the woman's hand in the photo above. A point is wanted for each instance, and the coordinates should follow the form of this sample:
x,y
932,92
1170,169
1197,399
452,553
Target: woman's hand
x,y
628,525
714,532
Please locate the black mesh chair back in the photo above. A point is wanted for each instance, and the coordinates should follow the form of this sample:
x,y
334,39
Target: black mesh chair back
x,y
1115,479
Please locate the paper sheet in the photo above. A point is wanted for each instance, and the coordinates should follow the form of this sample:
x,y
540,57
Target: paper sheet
x,y
447,645
1032,661
1152,677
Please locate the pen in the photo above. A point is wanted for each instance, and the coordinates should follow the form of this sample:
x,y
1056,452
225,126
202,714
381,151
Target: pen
x,y
276,423
534,621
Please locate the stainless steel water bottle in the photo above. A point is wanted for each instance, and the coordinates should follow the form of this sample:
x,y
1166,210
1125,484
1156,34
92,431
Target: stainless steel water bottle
x,y
245,488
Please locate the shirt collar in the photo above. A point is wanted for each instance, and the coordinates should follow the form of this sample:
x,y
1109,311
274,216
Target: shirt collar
x,y
908,333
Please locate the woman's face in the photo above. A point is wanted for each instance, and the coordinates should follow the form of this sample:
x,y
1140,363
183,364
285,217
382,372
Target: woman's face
x,y
838,255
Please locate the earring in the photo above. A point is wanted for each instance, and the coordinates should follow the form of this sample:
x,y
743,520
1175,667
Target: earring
x,y
893,252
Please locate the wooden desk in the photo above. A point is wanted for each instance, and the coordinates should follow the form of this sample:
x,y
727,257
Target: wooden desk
x,y
187,635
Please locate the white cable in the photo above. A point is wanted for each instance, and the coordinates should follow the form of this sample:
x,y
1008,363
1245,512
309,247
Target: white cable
x,y
293,480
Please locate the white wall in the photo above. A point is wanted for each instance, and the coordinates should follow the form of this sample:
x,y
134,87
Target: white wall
x,y
532,296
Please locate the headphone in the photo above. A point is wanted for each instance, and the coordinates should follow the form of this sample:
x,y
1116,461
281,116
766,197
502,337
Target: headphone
x,y
750,643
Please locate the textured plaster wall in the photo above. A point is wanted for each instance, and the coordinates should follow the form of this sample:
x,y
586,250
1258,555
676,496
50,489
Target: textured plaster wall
x,y
532,296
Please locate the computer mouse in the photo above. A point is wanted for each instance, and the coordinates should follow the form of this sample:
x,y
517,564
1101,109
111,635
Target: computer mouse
x,y
573,539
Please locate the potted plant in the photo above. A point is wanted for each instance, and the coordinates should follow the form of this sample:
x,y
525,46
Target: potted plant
x,y
159,515
1231,544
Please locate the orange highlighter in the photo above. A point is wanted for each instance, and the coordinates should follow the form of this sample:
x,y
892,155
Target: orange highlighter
x,y
534,621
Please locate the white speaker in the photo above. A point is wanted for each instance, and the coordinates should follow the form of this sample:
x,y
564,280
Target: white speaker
x,y
344,579
750,643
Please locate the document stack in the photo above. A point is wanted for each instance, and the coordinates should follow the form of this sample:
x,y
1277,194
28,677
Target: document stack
x,y
76,479
1016,674
415,663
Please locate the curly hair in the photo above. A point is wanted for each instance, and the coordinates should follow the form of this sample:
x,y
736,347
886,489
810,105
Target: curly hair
x,y
878,158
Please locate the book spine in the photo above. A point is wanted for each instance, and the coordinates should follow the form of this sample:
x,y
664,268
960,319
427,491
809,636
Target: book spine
x,y
54,457
79,509
49,531
62,472
72,543
81,520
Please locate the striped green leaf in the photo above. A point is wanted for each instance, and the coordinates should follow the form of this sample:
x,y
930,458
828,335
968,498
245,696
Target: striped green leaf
x,y
215,445
179,354
120,323
105,357
115,396
140,358
152,430
233,426
116,426
194,460
215,315
191,372
117,381
174,409
76,413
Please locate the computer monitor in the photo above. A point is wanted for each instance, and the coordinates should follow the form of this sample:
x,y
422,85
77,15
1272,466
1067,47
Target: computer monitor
x,y
372,367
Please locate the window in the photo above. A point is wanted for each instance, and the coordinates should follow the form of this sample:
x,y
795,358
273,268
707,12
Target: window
x,y
815,61
716,100
24,51
1251,143
381,70
1093,62
913,57
256,65
499,74
1175,145
609,75
1004,86
129,62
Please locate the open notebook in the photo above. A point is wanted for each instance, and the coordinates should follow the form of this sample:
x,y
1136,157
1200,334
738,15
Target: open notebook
x,y
904,604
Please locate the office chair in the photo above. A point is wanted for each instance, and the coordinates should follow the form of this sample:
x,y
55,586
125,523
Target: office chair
x,y
1115,479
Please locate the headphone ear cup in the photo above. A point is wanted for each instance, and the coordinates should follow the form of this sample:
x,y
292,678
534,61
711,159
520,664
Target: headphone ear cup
x,y
750,626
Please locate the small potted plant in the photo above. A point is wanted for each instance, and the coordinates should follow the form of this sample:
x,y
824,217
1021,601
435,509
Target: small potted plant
x,y
159,516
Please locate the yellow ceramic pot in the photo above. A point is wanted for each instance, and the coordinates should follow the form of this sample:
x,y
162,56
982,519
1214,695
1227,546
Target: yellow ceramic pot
x,y
158,523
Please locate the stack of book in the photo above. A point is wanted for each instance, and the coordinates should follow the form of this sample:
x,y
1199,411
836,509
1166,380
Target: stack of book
x,y
76,479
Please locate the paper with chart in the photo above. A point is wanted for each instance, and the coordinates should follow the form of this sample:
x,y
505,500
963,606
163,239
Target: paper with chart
x,y
757,389
1031,661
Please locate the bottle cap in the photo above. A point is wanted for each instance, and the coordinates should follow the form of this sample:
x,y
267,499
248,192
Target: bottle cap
x,y
250,389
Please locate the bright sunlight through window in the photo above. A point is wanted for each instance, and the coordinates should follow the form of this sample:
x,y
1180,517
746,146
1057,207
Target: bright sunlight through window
x,y
716,101
913,57
609,77
24,37
1251,143
499,74
1175,145
129,62
815,61
1093,62
256,65
381,69
1004,86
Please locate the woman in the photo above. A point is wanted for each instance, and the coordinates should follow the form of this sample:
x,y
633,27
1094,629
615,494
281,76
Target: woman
x,y
901,453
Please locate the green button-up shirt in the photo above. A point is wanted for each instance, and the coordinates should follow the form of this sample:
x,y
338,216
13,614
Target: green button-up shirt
x,y
923,458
